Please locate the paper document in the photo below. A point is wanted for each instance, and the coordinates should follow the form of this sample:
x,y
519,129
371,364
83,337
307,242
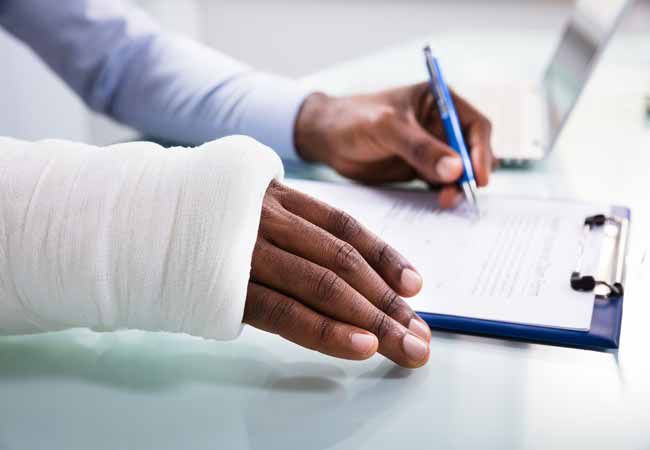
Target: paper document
x,y
512,265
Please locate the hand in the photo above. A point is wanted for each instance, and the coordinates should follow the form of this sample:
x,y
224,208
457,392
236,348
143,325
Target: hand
x,y
323,281
395,135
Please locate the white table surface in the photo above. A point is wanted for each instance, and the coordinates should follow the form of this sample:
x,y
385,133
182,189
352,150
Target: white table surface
x,y
81,390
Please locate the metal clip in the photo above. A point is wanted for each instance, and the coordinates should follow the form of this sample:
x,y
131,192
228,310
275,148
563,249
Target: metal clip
x,y
588,283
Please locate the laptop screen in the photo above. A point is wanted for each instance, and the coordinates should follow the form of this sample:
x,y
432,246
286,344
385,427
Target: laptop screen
x,y
584,37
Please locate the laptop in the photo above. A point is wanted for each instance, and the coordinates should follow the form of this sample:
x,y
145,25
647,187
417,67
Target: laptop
x,y
528,117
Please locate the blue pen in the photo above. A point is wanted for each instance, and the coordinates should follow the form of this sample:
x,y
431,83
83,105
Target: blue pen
x,y
451,124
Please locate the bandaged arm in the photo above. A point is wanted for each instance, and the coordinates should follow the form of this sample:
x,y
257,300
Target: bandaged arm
x,y
129,236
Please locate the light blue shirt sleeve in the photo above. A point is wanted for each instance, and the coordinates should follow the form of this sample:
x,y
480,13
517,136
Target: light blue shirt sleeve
x,y
122,64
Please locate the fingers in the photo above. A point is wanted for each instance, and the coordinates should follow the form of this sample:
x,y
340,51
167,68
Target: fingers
x,y
431,157
386,261
273,312
294,296
340,257
476,127
323,291
450,197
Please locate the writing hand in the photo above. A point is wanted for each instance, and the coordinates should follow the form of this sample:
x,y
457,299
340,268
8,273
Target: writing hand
x,y
395,135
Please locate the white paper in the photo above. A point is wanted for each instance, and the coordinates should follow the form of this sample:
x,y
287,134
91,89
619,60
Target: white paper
x,y
511,265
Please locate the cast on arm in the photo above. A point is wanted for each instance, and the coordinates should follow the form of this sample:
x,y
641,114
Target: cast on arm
x,y
122,64
129,236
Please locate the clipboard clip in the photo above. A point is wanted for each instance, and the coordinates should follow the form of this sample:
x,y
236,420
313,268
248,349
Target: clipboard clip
x,y
613,288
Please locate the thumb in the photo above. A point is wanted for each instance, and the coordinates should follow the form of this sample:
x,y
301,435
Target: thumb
x,y
432,158
449,168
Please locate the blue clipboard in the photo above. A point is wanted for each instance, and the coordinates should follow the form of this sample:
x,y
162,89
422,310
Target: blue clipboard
x,y
606,319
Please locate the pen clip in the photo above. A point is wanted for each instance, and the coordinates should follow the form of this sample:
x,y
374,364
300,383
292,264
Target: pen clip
x,y
436,87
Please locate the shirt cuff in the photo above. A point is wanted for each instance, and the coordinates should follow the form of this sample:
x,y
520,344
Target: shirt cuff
x,y
270,112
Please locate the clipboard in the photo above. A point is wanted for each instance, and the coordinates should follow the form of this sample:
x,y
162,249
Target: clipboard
x,y
608,288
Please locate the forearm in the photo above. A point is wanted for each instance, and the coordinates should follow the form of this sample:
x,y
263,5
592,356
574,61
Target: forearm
x,y
119,61
132,236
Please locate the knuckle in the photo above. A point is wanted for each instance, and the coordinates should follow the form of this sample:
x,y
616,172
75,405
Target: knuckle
x,y
272,213
290,198
292,223
345,227
268,212
383,254
328,287
325,330
419,150
385,116
381,326
277,187
274,192
390,302
280,314
486,124
347,258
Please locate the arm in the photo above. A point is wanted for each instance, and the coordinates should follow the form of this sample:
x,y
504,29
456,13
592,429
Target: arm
x,y
120,62
85,247
193,242
131,237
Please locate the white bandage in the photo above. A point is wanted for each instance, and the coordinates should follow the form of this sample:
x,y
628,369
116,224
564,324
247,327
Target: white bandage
x,y
129,236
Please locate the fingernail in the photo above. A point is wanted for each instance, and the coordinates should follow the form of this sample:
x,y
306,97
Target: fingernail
x,y
411,280
415,349
420,329
448,168
363,343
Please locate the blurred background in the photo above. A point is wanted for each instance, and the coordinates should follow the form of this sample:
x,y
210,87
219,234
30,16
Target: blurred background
x,y
289,37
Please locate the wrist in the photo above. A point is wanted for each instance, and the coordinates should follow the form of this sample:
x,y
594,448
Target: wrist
x,y
309,131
